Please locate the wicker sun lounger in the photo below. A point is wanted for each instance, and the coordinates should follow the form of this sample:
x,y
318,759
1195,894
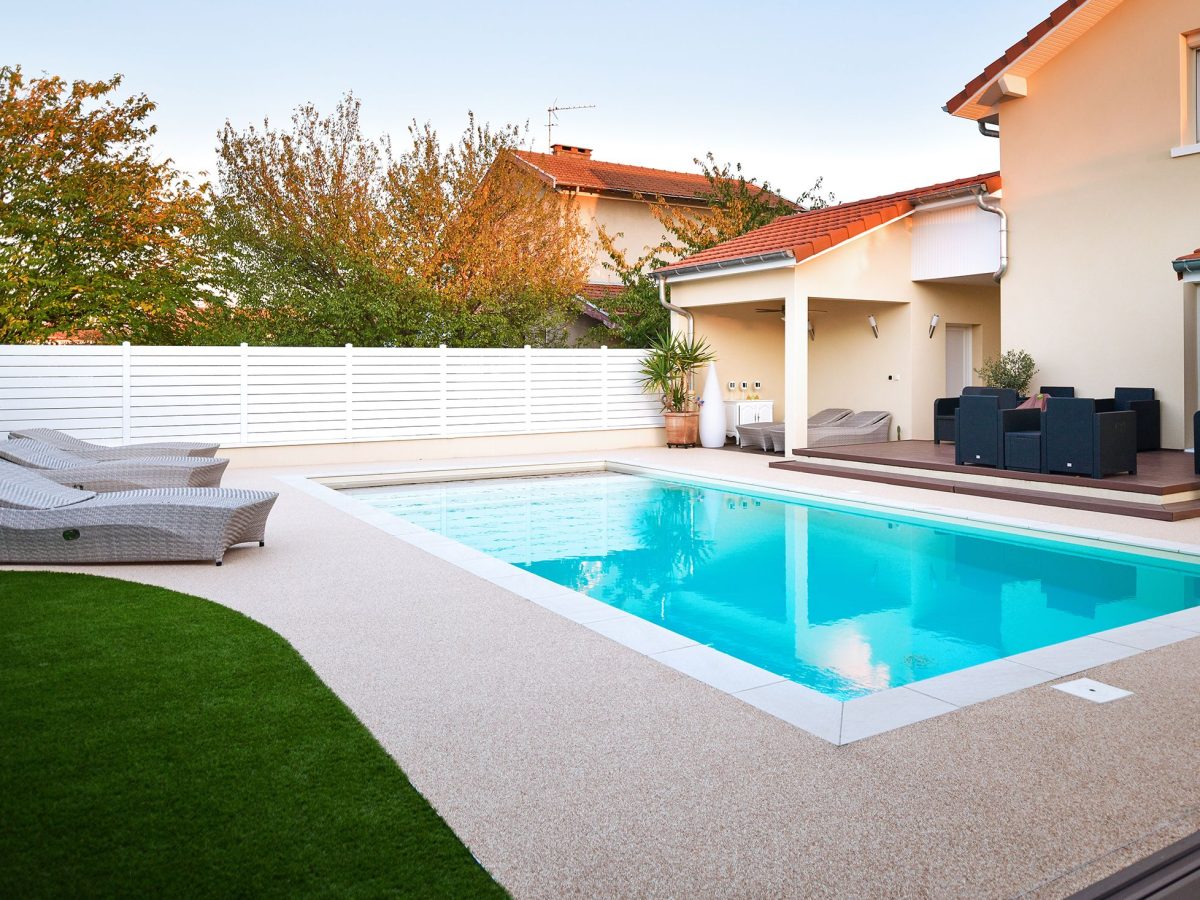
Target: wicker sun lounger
x,y
44,522
860,428
115,474
88,450
754,435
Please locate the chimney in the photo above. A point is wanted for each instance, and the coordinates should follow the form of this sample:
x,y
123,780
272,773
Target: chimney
x,y
567,150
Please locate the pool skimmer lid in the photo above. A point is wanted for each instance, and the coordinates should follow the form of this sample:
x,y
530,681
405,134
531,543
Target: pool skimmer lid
x,y
1096,691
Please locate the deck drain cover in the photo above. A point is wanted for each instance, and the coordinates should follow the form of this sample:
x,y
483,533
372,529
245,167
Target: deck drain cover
x,y
1095,691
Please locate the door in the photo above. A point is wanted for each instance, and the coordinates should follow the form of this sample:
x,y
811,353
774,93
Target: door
x,y
958,359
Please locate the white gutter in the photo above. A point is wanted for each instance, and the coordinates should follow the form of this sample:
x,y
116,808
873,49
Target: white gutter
x,y
997,211
754,263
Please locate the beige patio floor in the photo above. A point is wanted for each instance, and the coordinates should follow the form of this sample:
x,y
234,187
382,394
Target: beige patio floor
x,y
572,766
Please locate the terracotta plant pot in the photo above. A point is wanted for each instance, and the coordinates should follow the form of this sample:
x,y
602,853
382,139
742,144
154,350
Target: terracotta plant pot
x,y
683,429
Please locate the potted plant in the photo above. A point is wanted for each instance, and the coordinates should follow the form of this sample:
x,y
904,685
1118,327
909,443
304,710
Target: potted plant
x,y
1014,369
668,371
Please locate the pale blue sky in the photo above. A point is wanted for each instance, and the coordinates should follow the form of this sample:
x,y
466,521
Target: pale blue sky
x,y
852,91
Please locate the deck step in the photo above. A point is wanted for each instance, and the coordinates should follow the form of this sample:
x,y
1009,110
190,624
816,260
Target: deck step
x,y
1166,512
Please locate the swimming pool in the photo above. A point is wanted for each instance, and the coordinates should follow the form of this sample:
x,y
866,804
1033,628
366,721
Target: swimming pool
x,y
844,601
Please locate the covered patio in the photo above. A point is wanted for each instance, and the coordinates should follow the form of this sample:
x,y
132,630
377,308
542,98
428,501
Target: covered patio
x,y
881,304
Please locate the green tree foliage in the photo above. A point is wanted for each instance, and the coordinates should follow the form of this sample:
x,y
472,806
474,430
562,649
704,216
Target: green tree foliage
x,y
1012,369
94,234
736,205
322,236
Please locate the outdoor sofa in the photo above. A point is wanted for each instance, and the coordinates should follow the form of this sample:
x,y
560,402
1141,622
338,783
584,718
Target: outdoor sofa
x,y
88,450
116,474
869,427
768,436
44,522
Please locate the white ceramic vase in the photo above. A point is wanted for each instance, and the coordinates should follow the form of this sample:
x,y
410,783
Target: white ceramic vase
x,y
712,411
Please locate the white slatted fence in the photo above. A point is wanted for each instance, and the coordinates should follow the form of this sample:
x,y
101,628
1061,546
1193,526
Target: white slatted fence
x,y
253,396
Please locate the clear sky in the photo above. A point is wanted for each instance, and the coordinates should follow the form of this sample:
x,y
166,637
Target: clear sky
x,y
852,91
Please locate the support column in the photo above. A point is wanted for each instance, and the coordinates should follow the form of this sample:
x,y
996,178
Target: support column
x,y
795,337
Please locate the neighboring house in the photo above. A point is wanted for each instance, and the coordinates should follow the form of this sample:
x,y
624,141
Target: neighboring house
x,y
1097,111
616,197
791,305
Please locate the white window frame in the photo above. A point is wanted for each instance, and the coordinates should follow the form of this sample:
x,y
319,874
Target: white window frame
x,y
1190,132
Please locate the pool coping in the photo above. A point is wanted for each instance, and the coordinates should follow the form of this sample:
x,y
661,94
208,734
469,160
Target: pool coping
x,y
835,721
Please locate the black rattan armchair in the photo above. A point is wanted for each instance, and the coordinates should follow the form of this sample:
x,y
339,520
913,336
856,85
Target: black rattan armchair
x,y
944,408
1078,440
1149,421
980,427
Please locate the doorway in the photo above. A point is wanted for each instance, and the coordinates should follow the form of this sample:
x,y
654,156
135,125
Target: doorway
x,y
959,367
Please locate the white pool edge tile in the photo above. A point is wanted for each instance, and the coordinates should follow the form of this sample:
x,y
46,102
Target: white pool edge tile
x,y
800,706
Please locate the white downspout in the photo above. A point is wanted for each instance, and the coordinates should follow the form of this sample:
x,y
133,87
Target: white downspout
x,y
662,299
996,210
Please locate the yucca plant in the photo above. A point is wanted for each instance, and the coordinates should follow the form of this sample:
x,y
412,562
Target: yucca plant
x,y
668,368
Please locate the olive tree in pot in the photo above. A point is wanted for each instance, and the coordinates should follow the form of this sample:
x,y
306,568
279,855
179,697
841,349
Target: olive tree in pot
x,y
1014,369
668,370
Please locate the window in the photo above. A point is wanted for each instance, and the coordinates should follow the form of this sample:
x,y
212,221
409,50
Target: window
x,y
1193,42
1189,131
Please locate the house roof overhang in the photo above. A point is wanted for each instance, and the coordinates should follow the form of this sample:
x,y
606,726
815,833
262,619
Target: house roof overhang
x,y
1187,268
1006,78
793,240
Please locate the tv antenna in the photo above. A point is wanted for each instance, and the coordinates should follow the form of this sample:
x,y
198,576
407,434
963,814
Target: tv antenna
x,y
552,112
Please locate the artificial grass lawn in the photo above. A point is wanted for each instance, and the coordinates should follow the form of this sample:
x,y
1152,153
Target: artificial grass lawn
x,y
153,743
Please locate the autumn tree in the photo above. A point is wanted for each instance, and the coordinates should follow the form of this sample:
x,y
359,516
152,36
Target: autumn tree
x,y
94,234
325,236
736,205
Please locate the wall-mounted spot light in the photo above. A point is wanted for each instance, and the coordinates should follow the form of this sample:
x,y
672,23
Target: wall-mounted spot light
x,y
874,326
933,324
812,332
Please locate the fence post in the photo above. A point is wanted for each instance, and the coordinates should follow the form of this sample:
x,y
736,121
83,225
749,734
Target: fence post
x,y
528,388
603,385
444,391
244,393
126,393
349,392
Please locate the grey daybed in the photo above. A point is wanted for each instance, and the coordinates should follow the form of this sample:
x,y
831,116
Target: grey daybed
x,y
768,436
114,474
867,427
44,522
88,450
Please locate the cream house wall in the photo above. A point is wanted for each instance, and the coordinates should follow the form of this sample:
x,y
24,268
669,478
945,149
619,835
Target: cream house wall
x,y
631,219
1098,209
872,275
749,347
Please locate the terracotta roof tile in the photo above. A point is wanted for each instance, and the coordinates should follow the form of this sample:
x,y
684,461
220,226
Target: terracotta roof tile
x,y
809,233
1033,36
566,171
597,291
1189,262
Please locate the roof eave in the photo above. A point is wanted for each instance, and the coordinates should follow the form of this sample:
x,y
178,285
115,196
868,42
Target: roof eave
x,y
981,101
1187,268
720,265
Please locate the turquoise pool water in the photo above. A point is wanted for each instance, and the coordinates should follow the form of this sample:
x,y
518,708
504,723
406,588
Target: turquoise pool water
x,y
842,601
